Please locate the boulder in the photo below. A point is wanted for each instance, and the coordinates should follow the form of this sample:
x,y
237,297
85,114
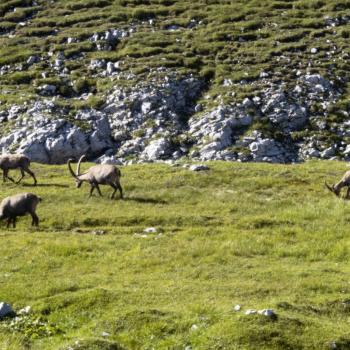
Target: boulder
x,y
199,167
47,90
110,68
105,159
157,149
32,59
5,310
268,150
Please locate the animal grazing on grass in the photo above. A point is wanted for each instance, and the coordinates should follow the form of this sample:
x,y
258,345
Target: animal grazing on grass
x,y
100,174
14,161
19,205
344,182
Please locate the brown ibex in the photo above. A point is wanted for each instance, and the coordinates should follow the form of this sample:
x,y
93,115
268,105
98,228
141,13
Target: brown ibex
x,y
100,174
19,205
15,161
344,182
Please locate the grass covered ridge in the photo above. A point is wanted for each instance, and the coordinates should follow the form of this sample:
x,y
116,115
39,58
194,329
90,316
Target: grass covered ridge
x,y
213,39
258,235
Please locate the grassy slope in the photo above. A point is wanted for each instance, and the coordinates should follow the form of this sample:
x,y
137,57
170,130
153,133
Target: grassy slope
x,y
259,235
236,40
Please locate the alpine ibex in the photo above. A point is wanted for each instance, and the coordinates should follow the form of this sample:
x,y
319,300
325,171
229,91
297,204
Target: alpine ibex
x,y
100,174
344,182
19,205
14,161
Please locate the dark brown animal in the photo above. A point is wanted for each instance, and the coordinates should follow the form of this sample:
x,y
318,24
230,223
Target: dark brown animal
x,y
100,174
19,205
344,182
15,161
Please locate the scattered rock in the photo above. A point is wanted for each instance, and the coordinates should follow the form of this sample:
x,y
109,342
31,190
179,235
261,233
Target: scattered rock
x,y
237,308
110,68
97,64
264,75
24,311
71,40
47,90
47,140
105,159
250,312
268,313
32,59
333,345
150,230
157,149
198,108
5,310
158,120
194,327
98,232
200,167
328,153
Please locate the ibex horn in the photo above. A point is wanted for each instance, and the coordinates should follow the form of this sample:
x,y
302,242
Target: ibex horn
x,y
78,165
70,168
331,188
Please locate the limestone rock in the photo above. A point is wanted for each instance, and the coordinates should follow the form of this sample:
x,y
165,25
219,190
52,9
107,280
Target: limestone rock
x,y
200,167
5,310
157,149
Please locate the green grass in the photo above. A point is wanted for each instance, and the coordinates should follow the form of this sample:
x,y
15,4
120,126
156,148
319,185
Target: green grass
x,y
235,39
258,235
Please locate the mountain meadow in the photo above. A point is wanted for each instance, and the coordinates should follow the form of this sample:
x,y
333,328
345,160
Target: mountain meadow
x,y
260,236
249,252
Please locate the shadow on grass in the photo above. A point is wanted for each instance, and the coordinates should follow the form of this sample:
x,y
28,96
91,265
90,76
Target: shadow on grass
x,y
145,200
46,185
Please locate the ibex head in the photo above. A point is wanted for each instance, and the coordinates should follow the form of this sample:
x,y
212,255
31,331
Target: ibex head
x,y
333,189
76,175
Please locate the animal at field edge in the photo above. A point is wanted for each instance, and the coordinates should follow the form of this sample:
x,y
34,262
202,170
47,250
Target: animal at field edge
x,y
100,174
344,182
15,161
19,205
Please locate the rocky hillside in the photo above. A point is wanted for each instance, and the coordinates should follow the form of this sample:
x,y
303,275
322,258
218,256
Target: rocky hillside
x,y
147,80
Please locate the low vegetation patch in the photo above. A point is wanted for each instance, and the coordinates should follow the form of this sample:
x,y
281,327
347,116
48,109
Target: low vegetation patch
x,y
256,235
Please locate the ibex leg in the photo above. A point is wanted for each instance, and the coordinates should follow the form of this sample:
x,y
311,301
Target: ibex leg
x,y
347,193
6,174
120,190
35,219
31,174
98,189
115,187
91,190
22,176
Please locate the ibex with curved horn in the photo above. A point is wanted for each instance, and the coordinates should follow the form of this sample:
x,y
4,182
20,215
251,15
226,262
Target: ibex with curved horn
x,y
344,182
100,174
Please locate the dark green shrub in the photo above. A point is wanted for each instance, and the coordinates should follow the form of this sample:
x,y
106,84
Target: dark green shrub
x,y
208,73
6,26
83,85
193,62
21,77
78,5
143,14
